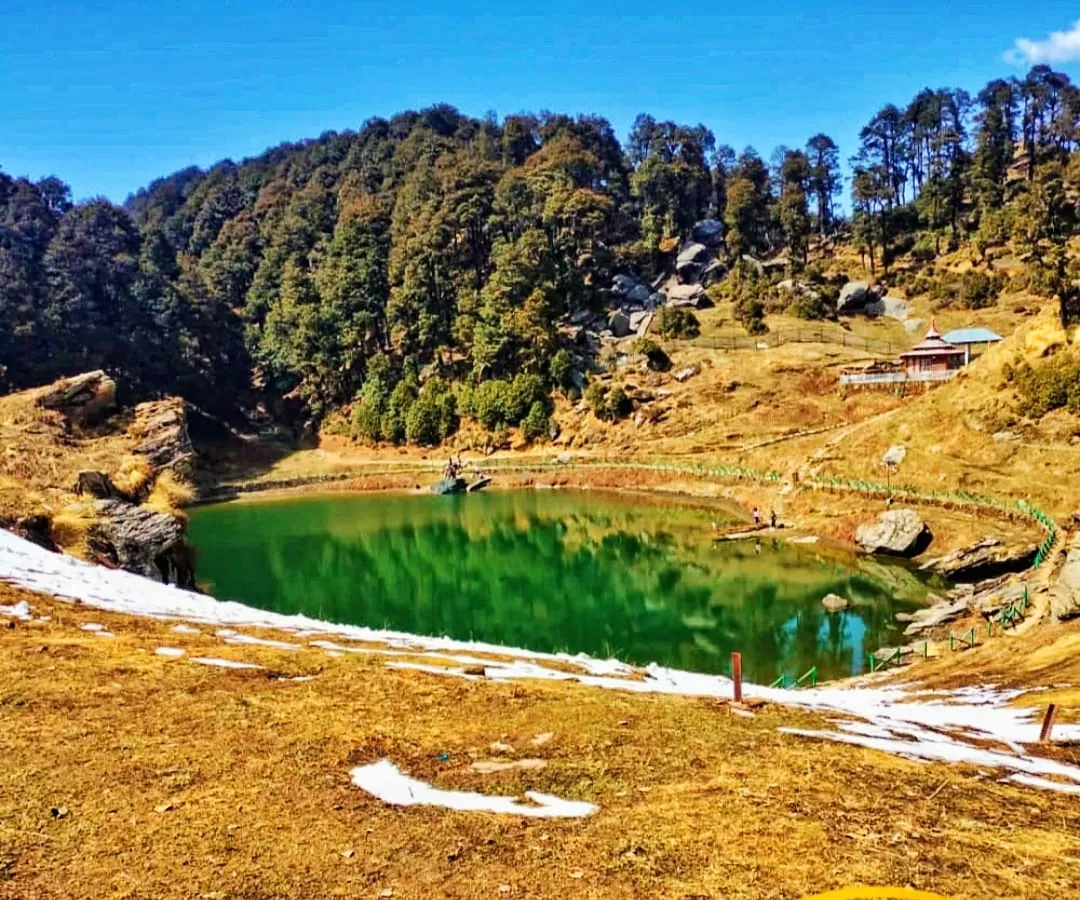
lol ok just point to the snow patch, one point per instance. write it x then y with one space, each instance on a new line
20 610
385 781
223 663
92 626
234 637
170 652
184 629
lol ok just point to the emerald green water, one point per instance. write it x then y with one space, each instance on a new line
603 574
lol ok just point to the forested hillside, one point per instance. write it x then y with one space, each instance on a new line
420 268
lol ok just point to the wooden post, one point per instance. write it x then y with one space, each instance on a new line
736 675
1048 723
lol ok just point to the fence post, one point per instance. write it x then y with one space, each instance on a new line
1048 723
736 675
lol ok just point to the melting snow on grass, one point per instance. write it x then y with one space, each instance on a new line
170 652
950 727
223 663
385 781
20 610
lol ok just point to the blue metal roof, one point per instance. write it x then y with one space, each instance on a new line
972 336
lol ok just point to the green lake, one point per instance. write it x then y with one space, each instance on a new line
610 575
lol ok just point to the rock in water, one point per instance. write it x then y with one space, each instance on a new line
834 602
899 532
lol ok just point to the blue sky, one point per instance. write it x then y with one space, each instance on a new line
111 94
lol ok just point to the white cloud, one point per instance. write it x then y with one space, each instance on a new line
1059 47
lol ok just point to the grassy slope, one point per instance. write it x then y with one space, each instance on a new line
694 801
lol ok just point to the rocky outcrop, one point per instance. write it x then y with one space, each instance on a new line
141 540
984 559
162 431
898 532
83 399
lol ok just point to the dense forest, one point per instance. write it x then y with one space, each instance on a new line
421 268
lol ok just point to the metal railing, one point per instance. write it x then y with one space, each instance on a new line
820 335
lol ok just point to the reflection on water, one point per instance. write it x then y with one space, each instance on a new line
603 574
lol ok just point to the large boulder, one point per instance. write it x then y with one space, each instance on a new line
692 295
713 273
619 323
709 232
141 540
854 296
898 532
82 399
691 262
623 284
638 295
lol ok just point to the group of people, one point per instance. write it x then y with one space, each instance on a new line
454 467
757 517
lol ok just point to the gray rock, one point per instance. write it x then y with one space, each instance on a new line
938 614
708 231
686 374
987 558
161 427
692 295
690 273
693 253
639 294
623 284
889 307
83 399
834 602
619 323
640 322
854 296
713 273
801 288
657 298
899 532
141 540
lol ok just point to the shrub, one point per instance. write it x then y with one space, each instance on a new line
366 419
618 404
656 358
561 370
422 422
595 396
678 323
490 400
1052 385
525 390
974 289
536 423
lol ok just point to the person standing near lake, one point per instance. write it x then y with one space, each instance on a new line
772 519
757 517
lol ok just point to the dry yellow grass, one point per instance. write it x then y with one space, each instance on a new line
170 494
70 526
186 781
133 475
